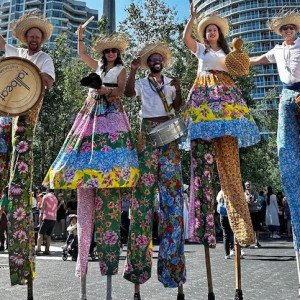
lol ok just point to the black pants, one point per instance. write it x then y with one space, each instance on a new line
227 234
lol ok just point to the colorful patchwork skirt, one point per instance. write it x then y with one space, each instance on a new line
98 151
216 108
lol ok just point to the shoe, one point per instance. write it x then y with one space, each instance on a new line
1 248
232 253
257 245
227 256
137 296
38 252
46 252
180 296
276 236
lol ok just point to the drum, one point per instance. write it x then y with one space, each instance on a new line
21 86
168 132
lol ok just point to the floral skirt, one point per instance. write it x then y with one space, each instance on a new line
98 151
216 108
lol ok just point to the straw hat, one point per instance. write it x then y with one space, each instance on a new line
30 20
285 18
152 47
115 40
215 19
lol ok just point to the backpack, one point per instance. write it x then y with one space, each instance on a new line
222 208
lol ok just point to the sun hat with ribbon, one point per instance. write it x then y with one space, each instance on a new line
118 41
214 19
152 47
30 20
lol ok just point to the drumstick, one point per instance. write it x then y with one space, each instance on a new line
86 23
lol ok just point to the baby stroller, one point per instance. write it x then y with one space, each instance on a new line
71 246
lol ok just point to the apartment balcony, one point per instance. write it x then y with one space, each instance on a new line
73 18
33 2
71 9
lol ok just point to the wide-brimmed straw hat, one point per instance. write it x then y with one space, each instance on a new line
215 19
118 41
285 18
152 47
30 20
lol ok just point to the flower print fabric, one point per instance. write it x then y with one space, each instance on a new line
98 151
288 145
216 108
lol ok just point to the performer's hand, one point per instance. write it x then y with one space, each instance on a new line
80 31
136 63
176 83
192 11
104 91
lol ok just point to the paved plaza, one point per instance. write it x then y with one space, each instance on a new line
268 273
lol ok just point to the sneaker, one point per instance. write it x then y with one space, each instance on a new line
232 253
46 252
257 245
227 256
276 236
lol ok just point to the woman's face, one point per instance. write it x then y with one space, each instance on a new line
111 54
212 33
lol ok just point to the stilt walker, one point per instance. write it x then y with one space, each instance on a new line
32 31
286 55
219 122
98 158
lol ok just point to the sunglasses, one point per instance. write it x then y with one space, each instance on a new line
112 50
286 27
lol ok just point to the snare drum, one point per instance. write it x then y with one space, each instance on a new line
168 132
21 86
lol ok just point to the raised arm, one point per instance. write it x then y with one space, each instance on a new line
187 33
129 89
259 60
92 63
2 43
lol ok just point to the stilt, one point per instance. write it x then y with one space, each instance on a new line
298 271
30 288
83 288
238 274
109 287
211 295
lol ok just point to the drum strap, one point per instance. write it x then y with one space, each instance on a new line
160 92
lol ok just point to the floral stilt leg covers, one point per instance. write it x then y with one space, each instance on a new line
228 162
20 224
201 209
162 165
288 144
5 149
102 206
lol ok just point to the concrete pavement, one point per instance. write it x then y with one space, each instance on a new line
268 273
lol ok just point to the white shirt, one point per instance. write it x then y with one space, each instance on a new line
41 59
211 60
287 58
111 76
152 104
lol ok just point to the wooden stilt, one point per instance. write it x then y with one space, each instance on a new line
298 271
238 274
83 288
109 287
211 295
30 288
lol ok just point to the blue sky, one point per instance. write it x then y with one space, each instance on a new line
182 7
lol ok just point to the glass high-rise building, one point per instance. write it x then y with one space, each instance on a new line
65 15
248 20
